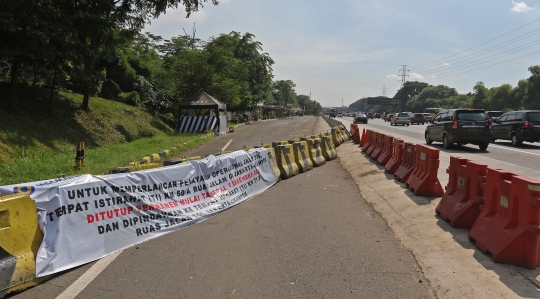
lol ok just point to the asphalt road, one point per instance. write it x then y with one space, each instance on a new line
311 236
523 159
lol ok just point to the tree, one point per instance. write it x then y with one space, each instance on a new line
500 97
532 99
408 91
480 95
284 93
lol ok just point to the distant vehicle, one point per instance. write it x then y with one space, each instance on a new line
494 115
460 126
333 113
388 117
418 118
377 115
300 112
340 114
360 118
427 117
518 126
433 111
401 118
370 115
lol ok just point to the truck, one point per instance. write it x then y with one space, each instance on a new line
333 113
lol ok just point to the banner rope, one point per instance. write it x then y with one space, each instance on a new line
17 284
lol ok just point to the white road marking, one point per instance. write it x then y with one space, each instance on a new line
226 145
74 289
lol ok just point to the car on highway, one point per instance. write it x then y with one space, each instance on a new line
418 118
388 117
377 115
427 117
360 118
340 114
369 115
461 126
494 115
518 126
401 118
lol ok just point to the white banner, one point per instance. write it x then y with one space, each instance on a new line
34 189
87 221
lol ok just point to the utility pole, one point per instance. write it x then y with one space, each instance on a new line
383 91
404 75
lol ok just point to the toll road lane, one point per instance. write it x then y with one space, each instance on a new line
523 160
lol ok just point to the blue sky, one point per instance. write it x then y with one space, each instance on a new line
349 49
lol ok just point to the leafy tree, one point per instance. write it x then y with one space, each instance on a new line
500 97
459 101
284 93
532 99
408 91
519 93
480 95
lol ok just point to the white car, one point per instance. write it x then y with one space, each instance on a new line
401 118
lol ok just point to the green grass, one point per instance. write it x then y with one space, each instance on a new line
38 140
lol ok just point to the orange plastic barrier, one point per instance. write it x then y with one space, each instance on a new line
407 163
397 156
373 143
509 224
378 146
363 140
387 150
464 194
355 133
424 180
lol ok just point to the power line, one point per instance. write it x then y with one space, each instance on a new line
487 59
480 44
484 66
479 53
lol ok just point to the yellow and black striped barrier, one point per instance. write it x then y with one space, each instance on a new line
79 158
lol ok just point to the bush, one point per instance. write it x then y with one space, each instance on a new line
130 98
169 119
110 90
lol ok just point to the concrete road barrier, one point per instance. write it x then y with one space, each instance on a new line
20 238
315 151
301 156
285 161
328 152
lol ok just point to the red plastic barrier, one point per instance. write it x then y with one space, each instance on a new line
387 150
464 194
397 156
368 136
424 179
407 163
355 133
509 224
363 140
373 142
378 146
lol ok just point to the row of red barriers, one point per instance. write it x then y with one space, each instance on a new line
501 209
414 165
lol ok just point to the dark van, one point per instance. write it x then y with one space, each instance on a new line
518 126
460 126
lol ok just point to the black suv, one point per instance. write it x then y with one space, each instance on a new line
418 118
460 126
518 126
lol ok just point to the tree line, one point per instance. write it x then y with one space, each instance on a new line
416 96
96 48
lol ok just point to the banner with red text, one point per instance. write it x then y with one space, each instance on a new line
87 221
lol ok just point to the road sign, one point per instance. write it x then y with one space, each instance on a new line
382 101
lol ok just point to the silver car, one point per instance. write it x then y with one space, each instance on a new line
401 118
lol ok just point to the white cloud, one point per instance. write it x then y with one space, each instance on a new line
446 64
520 7
416 76
392 76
